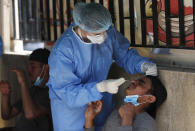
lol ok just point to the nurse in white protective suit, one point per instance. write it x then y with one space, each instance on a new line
79 64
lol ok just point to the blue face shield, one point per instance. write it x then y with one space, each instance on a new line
133 100
39 80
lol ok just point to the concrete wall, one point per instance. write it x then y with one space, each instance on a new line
177 113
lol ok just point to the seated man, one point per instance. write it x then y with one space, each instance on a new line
34 104
143 97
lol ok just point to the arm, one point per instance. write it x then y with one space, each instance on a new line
125 57
126 117
7 112
128 123
65 84
91 112
31 109
127 114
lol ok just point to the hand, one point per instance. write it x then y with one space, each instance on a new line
127 114
5 88
20 75
110 86
149 68
92 110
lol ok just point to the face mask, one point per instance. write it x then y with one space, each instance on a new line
39 80
132 99
98 39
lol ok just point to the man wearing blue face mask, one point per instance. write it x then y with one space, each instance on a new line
143 97
34 104
79 64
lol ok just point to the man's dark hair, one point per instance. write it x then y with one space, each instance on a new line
40 55
159 91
